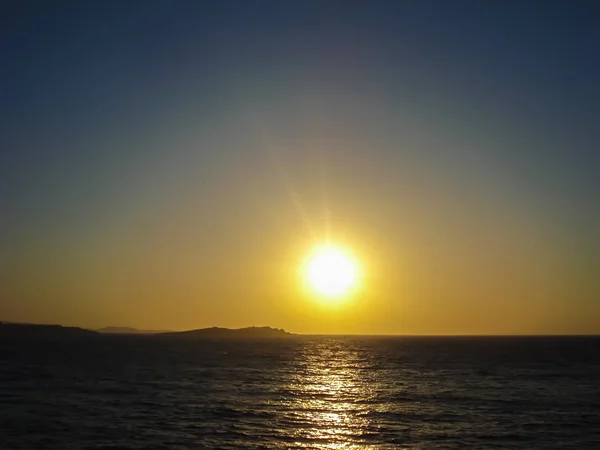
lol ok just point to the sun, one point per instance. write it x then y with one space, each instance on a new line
331 271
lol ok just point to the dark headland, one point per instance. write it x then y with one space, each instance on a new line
33 331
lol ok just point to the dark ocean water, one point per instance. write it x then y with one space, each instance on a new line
323 393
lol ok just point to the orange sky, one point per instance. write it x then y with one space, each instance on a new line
436 258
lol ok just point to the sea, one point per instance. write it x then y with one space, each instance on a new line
310 392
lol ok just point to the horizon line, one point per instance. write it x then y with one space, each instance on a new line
161 331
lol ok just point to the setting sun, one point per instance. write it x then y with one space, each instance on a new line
331 272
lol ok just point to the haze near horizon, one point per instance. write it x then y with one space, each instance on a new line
174 166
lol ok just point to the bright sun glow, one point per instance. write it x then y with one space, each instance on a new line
331 272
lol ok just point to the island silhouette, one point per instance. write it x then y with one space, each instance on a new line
228 333
32 331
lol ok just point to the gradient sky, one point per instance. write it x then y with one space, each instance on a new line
169 164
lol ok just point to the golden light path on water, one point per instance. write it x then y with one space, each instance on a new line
329 401
327 387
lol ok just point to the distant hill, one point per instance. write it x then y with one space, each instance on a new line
25 330
228 333
129 330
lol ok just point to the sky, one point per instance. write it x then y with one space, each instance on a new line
169 165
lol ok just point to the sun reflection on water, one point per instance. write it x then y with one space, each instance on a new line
329 403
